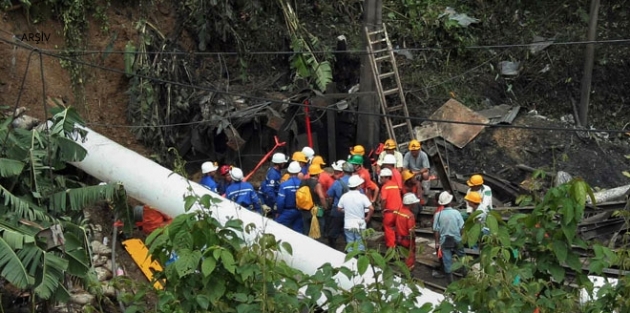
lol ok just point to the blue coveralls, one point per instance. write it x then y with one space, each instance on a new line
288 213
244 194
335 223
222 186
270 186
208 182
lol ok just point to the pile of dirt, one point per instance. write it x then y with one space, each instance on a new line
498 150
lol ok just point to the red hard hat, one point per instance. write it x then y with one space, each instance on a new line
224 169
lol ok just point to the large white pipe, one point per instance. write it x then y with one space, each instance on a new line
150 183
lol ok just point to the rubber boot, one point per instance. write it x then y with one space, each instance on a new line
449 277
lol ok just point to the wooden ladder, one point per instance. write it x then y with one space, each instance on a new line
389 88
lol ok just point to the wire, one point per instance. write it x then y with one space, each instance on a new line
364 113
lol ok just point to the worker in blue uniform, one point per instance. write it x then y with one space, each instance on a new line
242 192
288 213
271 185
208 170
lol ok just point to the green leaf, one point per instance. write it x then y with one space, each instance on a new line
10 167
227 260
52 272
626 173
287 247
560 249
189 201
557 272
69 150
13 269
208 265
203 301
492 223
362 264
472 235
187 262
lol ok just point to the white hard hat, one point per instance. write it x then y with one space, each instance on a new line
338 166
208 167
386 172
389 159
279 158
355 181
445 198
236 174
410 198
308 152
294 167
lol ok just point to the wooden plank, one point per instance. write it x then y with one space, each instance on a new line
140 255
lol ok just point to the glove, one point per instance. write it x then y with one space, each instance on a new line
266 208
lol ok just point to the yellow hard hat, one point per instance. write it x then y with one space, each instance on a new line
475 180
357 150
473 197
390 144
299 156
318 160
315 169
414 145
407 174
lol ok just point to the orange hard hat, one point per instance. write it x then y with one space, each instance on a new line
299 156
318 160
475 180
414 145
315 169
473 197
390 144
407 174
357 150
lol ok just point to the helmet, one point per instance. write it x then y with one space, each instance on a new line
208 167
356 160
357 150
410 198
338 165
279 158
386 173
475 180
236 174
473 197
407 174
308 152
414 145
348 167
315 169
390 144
389 159
355 181
299 156
224 170
318 160
445 198
294 168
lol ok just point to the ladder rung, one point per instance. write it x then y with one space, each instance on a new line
379 59
399 125
395 108
378 41
381 50
386 75
390 92
382 30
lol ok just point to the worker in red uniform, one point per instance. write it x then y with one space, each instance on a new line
391 201
389 161
405 224
369 186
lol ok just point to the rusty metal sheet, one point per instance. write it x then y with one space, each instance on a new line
457 134
501 114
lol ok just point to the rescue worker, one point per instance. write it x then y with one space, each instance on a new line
405 225
324 178
410 185
224 179
271 184
354 205
390 148
417 162
360 150
473 200
389 161
208 169
370 188
343 171
476 184
447 229
242 192
318 196
287 213
391 201
301 158
309 153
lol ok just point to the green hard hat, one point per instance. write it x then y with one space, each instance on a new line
356 160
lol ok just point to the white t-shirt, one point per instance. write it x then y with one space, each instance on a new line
486 198
397 154
354 204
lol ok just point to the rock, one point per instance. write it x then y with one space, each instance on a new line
97 232
108 289
108 265
82 298
421 240
103 274
99 260
100 249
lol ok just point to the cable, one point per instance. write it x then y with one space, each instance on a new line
412 118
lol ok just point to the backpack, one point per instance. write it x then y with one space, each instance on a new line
304 197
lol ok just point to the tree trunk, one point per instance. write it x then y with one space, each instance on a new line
589 57
368 125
